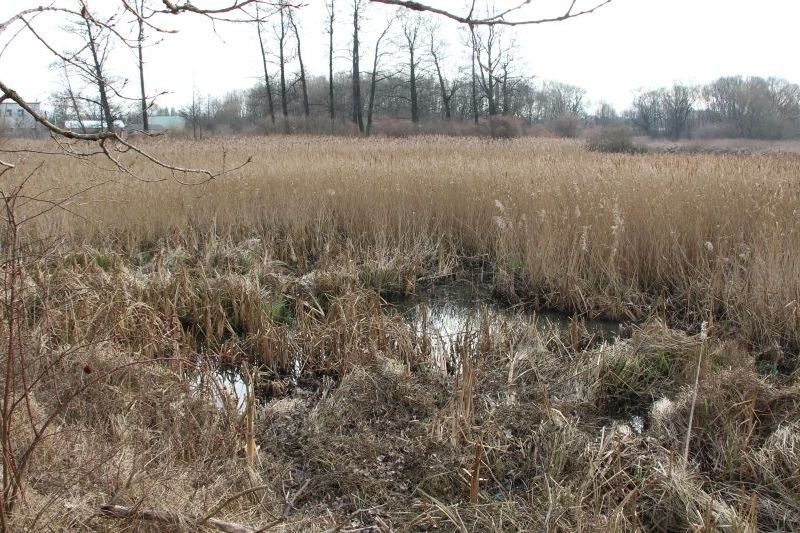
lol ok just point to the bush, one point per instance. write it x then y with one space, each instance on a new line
566 125
395 128
539 130
505 127
613 140
450 128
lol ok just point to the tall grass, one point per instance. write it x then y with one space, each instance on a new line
281 266
701 237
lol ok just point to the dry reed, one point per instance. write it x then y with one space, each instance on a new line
287 266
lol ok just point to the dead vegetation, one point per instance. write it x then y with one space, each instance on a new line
293 271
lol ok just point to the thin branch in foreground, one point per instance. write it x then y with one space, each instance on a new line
104 136
168 517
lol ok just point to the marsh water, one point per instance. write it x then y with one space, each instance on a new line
447 319
446 316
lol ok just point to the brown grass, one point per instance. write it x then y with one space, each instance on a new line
287 266
701 237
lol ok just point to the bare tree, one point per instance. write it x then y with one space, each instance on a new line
647 111
446 89
331 7
606 115
193 112
303 84
281 33
560 99
511 82
374 76
678 103
139 5
358 111
411 32
474 72
754 107
73 99
103 31
490 52
98 44
267 84
501 94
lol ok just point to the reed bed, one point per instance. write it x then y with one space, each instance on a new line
698 237
290 267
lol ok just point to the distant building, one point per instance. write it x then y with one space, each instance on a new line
14 120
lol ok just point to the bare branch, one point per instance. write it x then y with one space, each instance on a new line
170 518
494 20
104 136
221 14
19 16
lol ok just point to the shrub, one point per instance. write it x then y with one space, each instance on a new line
538 130
395 127
566 125
615 139
505 127
450 128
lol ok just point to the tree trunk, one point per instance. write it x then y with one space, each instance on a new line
413 83
358 113
145 121
506 96
442 85
331 107
474 80
281 53
371 104
303 85
374 79
491 82
270 104
105 107
74 100
194 113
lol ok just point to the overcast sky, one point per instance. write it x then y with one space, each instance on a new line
626 46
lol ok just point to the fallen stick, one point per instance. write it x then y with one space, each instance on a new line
168 517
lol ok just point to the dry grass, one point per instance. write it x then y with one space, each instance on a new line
700 237
287 266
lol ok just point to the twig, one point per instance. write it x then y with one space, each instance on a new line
694 402
225 502
495 20
290 503
168 517
475 478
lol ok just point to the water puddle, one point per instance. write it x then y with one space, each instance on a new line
223 385
450 316
447 321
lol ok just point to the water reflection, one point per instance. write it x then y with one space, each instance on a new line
448 317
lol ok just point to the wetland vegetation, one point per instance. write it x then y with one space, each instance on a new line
427 333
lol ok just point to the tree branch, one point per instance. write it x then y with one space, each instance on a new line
494 20
104 136
170 518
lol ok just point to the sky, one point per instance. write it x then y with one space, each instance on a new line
625 47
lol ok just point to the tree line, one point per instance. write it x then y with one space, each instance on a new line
733 106
408 78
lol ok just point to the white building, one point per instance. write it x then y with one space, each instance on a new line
16 121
